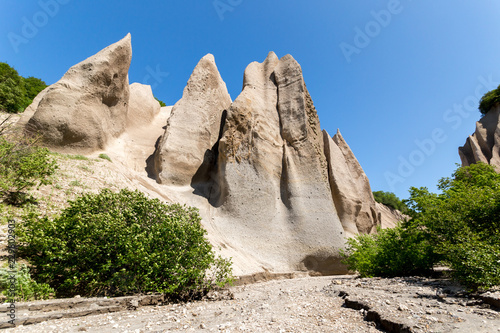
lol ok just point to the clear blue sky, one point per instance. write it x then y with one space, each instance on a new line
400 79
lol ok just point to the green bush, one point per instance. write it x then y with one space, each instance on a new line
489 100
16 92
459 227
399 251
389 199
26 288
122 243
464 223
23 166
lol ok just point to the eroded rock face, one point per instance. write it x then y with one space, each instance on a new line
274 197
143 107
193 128
484 144
88 105
350 187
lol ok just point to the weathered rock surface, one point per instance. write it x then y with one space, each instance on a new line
193 127
389 217
484 144
88 105
275 192
272 189
350 187
143 107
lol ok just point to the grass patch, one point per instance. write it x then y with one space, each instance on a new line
105 157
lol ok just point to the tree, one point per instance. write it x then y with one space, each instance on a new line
464 223
459 227
16 92
12 91
389 199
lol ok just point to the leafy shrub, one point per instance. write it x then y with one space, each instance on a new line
16 92
122 243
459 227
23 166
464 223
399 251
389 199
26 288
489 100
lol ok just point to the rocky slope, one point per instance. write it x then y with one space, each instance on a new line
275 192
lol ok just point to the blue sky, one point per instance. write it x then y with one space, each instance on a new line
400 79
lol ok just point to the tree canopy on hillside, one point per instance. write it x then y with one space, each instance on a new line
17 92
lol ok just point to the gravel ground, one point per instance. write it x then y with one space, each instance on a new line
419 304
298 305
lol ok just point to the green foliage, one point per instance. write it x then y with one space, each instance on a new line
26 288
23 166
16 92
105 157
389 199
464 223
161 103
122 243
489 100
12 91
399 251
33 87
459 227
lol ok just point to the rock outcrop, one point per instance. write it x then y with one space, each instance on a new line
142 106
275 192
193 128
272 190
276 184
88 105
350 187
484 144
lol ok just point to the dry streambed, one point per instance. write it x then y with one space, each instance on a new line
312 304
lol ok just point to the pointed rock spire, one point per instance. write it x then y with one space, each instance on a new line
192 131
89 104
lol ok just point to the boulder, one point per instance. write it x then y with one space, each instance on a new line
188 146
88 105
484 144
143 107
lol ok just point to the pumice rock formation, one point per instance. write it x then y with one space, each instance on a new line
193 127
142 106
275 192
350 187
88 105
270 176
484 144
